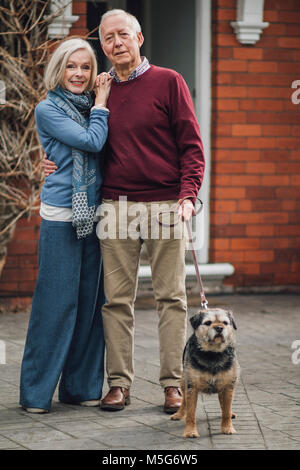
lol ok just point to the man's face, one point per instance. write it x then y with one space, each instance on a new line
120 43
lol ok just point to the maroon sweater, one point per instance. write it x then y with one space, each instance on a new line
154 148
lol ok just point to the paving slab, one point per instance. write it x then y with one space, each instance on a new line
267 400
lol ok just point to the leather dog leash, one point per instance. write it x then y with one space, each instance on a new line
204 301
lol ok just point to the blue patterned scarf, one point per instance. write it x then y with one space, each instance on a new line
84 165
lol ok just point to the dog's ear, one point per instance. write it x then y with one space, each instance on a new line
232 321
196 320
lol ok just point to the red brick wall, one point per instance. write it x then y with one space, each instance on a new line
255 179
79 9
20 272
255 156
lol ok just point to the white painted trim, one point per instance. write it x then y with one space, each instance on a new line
203 109
61 25
203 104
213 271
249 25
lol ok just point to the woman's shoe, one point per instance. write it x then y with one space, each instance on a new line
90 403
36 410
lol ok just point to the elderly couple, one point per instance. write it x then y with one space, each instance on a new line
143 119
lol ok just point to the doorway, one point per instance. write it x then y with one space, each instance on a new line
168 27
177 36
169 30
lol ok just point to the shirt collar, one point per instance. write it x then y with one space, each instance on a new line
144 65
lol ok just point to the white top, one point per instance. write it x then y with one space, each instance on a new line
58 214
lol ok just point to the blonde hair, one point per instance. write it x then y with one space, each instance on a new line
55 69
133 22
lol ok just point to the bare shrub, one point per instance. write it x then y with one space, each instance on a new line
24 50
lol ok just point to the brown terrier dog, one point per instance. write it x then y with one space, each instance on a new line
209 366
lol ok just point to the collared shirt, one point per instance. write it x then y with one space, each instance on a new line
144 65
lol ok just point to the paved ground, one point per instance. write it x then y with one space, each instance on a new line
267 401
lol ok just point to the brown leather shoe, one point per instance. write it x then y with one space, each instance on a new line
173 399
116 399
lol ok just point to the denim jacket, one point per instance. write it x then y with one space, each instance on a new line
58 134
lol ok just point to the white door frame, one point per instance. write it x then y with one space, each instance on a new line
203 110
203 104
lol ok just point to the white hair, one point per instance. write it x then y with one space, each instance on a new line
55 69
132 20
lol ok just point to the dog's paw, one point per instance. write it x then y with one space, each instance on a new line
228 429
192 433
177 416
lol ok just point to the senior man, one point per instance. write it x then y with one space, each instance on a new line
154 156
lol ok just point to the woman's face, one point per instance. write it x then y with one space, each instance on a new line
78 71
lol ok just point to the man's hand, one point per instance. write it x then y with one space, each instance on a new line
186 210
48 166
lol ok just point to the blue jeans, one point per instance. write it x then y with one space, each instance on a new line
65 334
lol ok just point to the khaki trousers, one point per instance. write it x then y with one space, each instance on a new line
121 255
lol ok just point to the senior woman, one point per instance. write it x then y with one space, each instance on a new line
65 337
